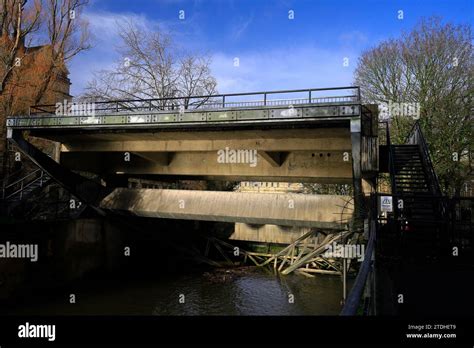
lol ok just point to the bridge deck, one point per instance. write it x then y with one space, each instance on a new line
321 135
341 103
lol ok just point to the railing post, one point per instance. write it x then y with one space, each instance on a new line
309 99
264 99
344 280
223 101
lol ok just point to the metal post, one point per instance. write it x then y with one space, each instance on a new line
223 101
264 99
374 279
344 280
309 100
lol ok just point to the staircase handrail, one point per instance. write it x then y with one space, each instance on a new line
21 181
416 137
23 178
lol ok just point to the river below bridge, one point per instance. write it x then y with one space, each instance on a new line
241 291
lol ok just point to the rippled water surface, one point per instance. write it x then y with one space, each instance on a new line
252 292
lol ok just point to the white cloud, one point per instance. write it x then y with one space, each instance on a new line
105 29
105 23
302 67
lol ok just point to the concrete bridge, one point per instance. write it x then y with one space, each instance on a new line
329 213
313 135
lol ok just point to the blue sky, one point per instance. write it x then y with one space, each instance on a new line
274 52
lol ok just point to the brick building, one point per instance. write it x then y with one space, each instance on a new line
29 85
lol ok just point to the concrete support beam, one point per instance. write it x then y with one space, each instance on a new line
275 159
304 155
318 211
158 158
301 166
327 139
268 233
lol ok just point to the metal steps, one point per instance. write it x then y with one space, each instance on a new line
25 186
420 220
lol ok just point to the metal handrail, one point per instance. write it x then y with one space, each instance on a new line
223 95
416 137
214 106
353 300
23 186
216 99
23 178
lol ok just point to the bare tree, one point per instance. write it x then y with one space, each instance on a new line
16 23
28 73
432 65
152 66
67 34
194 79
57 20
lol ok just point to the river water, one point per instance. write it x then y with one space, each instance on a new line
249 291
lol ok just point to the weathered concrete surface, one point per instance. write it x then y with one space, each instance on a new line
85 245
275 234
319 211
299 166
324 139
267 233
298 155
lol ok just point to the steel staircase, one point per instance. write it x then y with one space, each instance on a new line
20 197
23 187
410 177
419 208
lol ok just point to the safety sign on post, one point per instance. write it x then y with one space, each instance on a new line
386 204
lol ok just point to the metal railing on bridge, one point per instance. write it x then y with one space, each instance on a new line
220 101
364 282
254 106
